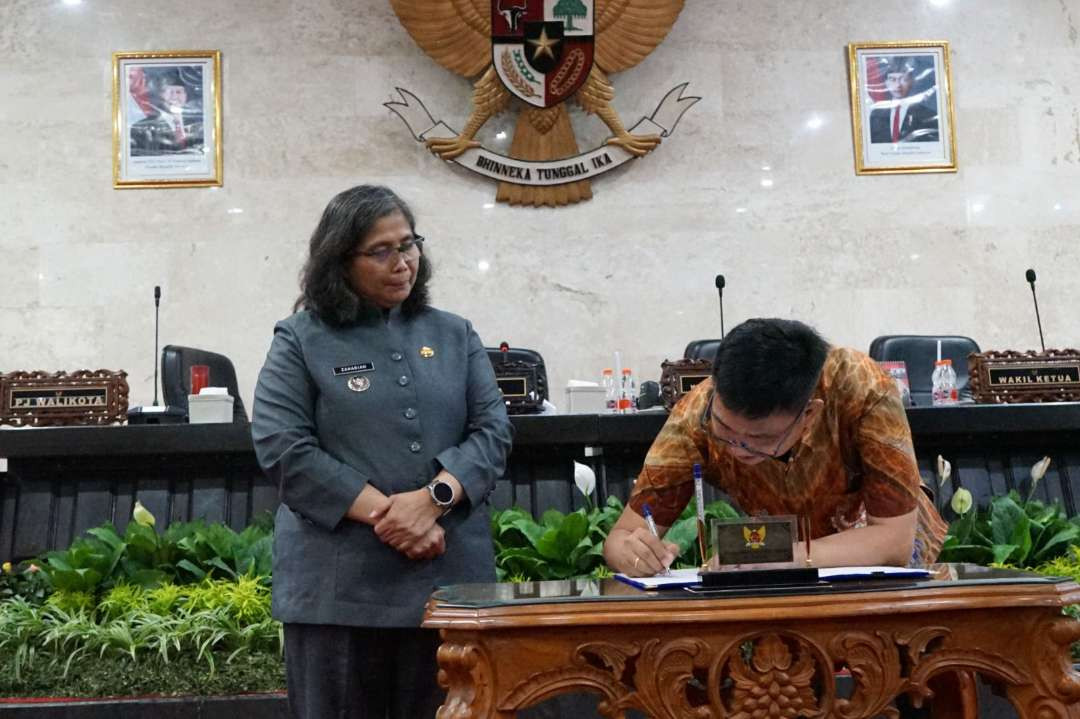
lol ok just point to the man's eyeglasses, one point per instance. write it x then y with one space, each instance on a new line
708 419
410 248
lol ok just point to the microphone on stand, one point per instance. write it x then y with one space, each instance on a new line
720 289
157 307
156 414
1030 275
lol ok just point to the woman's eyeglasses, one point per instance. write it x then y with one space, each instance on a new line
708 419
409 248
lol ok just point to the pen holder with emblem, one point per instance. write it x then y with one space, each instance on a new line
766 543
1009 376
678 377
519 383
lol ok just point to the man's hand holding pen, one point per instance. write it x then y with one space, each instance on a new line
638 551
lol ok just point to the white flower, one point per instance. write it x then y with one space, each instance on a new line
944 471
584 478
1038 471
961 501
142 515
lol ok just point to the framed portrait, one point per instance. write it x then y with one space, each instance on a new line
167 119
902 107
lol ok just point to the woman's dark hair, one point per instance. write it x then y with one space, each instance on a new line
346 221
768 365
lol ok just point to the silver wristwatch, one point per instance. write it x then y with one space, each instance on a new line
442 494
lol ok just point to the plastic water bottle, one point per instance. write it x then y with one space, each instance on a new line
611 397
627 393
944 390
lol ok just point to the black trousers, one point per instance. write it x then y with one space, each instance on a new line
337 672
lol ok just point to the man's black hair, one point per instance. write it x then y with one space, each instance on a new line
771 365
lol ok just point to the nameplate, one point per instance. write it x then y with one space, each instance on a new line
754 540
1009 376
519 384
678 377
40 399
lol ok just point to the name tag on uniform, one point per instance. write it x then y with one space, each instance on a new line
354 368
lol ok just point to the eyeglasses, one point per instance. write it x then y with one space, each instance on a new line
409 248
707 418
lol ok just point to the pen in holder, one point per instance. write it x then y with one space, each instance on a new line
804 524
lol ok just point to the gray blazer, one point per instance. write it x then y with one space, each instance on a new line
428 401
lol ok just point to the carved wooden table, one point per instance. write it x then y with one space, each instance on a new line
750 653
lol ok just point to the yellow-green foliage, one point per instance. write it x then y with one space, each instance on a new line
165 598
122 599
247 599
1066 566
71 601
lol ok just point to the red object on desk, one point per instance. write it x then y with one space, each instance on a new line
200 377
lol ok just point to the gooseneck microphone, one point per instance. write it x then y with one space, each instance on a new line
157 307
720 289
1030 275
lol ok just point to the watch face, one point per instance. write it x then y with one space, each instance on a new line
443 492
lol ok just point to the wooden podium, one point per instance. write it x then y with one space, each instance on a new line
751 653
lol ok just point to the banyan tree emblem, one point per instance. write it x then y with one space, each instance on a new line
539 54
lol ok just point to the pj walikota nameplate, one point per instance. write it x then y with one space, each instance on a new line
537 54
38 399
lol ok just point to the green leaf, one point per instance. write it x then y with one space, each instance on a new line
552 518
1057 544
1005 515
1002 552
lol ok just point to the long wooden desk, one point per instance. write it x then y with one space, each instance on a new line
61 481
675 654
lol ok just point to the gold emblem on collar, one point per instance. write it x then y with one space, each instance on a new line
426 352
359 384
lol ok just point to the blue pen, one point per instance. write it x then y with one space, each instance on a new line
652 528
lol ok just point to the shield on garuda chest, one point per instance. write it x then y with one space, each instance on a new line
542 49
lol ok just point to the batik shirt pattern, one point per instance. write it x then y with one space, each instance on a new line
855 459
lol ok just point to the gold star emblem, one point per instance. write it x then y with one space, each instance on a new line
543 45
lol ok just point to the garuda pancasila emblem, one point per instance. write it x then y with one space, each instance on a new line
543 53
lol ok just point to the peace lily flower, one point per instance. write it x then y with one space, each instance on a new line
944 470
142 515
1038 470
961 501
6 567
584 478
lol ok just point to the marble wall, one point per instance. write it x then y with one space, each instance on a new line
633 269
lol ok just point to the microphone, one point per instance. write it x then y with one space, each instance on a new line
720 289
157 307
156 414
1030 275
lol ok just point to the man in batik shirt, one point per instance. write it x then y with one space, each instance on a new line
789 425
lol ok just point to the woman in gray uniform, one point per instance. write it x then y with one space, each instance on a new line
380 420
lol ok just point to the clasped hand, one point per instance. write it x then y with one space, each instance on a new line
407 523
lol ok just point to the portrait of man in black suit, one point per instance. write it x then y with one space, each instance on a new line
174 114
904 116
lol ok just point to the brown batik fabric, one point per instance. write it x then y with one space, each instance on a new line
855 459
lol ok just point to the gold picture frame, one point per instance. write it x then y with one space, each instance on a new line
902 115
167 119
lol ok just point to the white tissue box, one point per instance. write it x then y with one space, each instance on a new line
208 408
586 400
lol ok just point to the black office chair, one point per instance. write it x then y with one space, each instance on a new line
176 364
918 353
701 349
519 354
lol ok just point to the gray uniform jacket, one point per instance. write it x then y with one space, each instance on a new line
428 401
